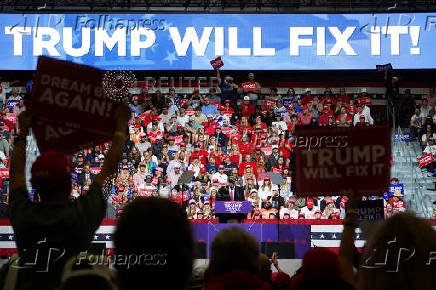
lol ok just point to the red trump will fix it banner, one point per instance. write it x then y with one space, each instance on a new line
341 161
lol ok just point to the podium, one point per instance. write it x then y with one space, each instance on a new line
232 210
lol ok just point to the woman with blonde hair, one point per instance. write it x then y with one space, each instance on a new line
248 175
191 210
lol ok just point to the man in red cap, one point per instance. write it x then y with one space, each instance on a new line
55 222
305 116
309 210
195 100
323 120
208 109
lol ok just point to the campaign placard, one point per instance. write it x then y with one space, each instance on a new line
341 161
403 137
70 107
396 188
371 210
249 86
217 62
233 206
425 160
4 173
95 170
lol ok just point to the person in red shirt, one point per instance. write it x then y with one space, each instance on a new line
210 125
245 147
362 122
327 97
286 147
352 108
257 136
247 163
244 126
155 133
307 98
259 122
7 122
343 96
200 154
398 202
247 108
227 109
291 126
323 120
305 117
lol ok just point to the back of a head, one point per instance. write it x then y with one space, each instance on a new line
234 249
51 176
154 245
264 267
399 255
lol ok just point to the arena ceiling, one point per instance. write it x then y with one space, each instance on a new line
216 6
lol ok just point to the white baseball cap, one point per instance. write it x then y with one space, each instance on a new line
246 98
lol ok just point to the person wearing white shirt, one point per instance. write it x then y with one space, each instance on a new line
360 112
266 189
195 166
279 124
431 147
309 210
293 213
220 176
159 125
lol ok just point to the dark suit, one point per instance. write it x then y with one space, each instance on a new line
272 161
81 178
224 195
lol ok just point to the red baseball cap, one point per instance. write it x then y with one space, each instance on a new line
196 90
120 188
140 164
305 107
221 167
226 156
203 170
326 107
183 144
309 203
267 178
179 126
215 181
156 118
362 117
171 138
227 101
51 169
137 126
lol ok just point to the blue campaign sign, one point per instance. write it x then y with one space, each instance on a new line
403 137
394 188
244 41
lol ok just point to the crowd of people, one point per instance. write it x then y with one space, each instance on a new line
230 142
146 253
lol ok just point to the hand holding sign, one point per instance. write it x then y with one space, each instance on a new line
25 122
217 63
70 108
